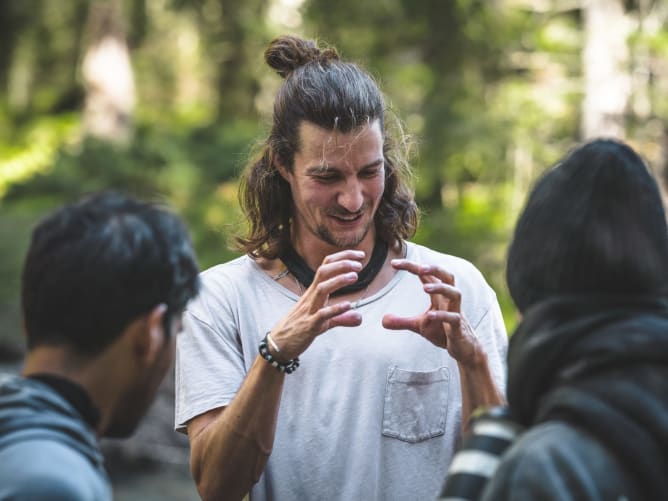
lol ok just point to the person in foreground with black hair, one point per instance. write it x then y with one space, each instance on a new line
104 285
588 364
328 292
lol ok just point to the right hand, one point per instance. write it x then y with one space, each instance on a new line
312 315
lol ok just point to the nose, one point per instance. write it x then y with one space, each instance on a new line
351 197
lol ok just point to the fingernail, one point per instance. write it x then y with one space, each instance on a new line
351 276
429 287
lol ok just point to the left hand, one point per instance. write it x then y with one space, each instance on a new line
443 323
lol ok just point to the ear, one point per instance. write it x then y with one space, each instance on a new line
152 337
282 169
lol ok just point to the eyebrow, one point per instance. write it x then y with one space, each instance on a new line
321 169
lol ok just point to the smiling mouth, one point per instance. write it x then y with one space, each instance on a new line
347 219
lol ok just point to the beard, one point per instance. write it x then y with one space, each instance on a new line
347 242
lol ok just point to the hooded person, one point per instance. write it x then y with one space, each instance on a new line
588 364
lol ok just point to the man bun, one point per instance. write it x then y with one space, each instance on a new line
287 53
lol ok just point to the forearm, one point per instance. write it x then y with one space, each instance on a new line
478 387
230 453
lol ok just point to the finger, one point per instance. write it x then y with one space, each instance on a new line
334 310
426 272
356 255
412 267
349 318
329 270
454 320
440 273
395 322
462 343
323 290
406 264
452 294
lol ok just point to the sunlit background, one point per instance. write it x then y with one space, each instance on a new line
167 98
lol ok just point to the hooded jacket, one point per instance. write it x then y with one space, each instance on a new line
47 451
589 377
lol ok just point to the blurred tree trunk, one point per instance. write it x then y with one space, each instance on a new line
237 87
606 69
650 81
108 76
443 53
11 24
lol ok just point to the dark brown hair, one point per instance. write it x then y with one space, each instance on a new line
335 95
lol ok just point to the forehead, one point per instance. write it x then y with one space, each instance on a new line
317 143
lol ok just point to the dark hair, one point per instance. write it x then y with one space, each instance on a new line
594 223
334 95
96 265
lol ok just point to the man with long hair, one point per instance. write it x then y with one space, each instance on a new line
329 289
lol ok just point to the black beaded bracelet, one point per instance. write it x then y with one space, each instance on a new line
287 367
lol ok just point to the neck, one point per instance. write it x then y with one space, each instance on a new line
305 275
92 375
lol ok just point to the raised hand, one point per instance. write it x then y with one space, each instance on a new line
313 315
443 322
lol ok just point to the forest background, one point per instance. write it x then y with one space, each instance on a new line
166 99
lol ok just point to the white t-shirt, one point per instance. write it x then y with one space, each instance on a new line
371 413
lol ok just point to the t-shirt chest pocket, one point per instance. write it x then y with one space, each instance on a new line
416 404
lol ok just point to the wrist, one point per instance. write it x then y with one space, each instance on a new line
475 362
273 357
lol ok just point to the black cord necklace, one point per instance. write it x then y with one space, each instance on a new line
305 275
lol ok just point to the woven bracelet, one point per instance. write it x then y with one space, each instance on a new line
287 367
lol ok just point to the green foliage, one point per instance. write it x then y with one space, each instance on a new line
194 169
491 91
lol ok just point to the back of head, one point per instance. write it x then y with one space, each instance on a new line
337 96
96 265
593 224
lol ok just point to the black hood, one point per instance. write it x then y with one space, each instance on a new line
601 364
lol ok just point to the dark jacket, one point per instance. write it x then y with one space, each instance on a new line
588 377
47 451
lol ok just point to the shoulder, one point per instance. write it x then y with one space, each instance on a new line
42 469
556 461
237 269
218 281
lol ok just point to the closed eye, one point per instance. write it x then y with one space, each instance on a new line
370 173
326 178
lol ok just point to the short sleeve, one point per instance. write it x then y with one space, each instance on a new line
209 364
